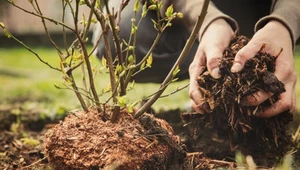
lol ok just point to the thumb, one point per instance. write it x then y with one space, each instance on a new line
247 52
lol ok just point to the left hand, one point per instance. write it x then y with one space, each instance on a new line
275 35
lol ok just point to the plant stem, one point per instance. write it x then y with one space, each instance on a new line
181 57
80 98
86 59
117 42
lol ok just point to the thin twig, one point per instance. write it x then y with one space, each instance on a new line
46 29
46 18
30 50
86 59
117 42
36 162
182 56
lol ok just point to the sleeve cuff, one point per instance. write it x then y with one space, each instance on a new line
263 21
212 17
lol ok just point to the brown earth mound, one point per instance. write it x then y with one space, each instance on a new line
85 140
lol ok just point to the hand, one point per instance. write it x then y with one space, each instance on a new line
209 53
275 35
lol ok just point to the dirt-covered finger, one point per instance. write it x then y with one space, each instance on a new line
256 99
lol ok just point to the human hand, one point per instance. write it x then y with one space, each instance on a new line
209 54
276 36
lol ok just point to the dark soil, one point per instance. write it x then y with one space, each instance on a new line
237 125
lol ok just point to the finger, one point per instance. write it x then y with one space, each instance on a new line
256 98
196 67
287 101
214 57
244 54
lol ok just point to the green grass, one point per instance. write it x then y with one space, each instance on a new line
23 75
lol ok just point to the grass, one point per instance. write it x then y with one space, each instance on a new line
23 75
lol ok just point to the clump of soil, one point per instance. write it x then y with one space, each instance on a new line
225 112
87 141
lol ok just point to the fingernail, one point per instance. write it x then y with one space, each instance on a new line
236 67
215 73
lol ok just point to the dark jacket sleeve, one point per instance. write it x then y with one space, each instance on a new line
288 13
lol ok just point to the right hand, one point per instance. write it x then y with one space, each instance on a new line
215 39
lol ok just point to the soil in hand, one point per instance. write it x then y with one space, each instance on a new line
235 123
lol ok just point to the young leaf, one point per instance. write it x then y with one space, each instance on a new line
122 100
94 20
7 34
104 62
169 11
152 7
145 11
133 29
176 71
143 66
81 2
136 5
130 59
97 5
149 61
179 15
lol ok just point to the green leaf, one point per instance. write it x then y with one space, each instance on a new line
130 59
97 5
7 34
104 62
122 101
136 5
173 80
81 2
131 106
130 48
143 66
179 15
30 141
145 11
169 11
160 5
94 20
119 69
149 61
133 29
176 71
152 7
